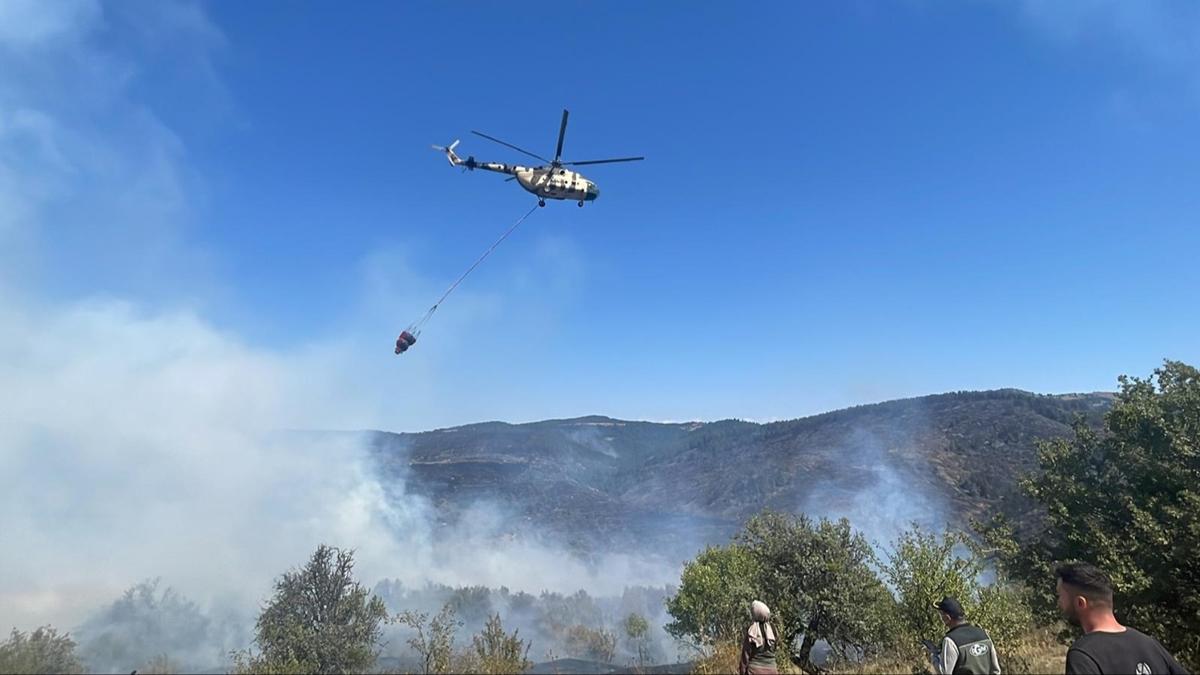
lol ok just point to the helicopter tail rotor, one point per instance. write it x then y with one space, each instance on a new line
449 150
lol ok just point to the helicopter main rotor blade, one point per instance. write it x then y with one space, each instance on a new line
562 130
510 145
604 161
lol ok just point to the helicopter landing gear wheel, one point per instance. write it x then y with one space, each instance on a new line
541 202
581 203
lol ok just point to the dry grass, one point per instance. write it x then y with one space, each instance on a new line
1035 653
724 659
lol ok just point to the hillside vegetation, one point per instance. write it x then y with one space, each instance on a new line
1122 492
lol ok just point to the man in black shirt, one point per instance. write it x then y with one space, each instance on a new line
1085 596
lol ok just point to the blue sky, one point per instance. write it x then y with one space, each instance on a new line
842 202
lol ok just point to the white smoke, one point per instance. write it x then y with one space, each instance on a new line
141 445
139 438
883 495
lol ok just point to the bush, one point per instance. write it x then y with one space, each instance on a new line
1127 500
320 620
42 651
593 644
723 658
818 579
434 639
495 652
923 567
712 605
637 638
146 622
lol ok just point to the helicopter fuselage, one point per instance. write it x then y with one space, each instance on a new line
560 183
544 181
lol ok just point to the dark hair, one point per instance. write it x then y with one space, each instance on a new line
1090 581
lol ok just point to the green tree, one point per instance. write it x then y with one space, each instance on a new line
595 644
434 639
496 652
637 636
42 651
472 604
320 620
1002 608
819 582
923 567
1127 500
712 605
558 613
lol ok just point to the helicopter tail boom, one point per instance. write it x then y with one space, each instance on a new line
470 164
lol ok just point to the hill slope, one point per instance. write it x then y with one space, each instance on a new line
596 481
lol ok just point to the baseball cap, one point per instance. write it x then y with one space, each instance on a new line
950 606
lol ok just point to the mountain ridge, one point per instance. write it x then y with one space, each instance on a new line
599 482
596 418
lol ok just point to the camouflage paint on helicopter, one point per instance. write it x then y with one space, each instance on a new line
549 181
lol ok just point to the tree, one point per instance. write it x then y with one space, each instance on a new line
473 604
923 567
320 620
818 580
1127 500
148 621
594 644
712 605
1002 608
637 636
434 640
558 613
42 651
496 652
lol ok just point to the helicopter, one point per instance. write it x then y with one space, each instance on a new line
548 181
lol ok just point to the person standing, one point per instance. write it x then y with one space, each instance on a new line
758 644
966 649
1085 597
